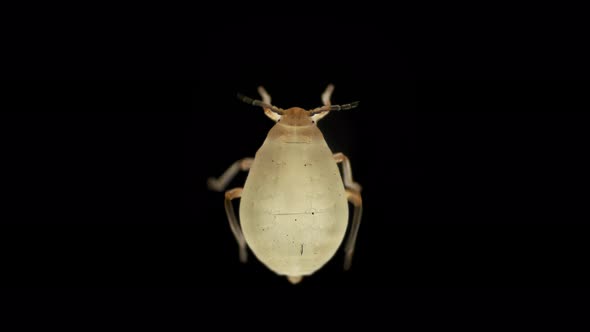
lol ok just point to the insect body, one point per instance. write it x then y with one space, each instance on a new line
293 210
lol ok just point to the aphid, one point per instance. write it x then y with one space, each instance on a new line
293 210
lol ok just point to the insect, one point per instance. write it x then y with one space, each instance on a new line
293 209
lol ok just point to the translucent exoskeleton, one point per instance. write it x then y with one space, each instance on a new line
293 209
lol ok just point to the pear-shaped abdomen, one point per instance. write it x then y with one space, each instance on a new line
293 209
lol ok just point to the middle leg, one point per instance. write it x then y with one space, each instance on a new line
347 170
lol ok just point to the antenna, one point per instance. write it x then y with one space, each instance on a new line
256 102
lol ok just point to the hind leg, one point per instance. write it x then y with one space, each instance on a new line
234 223
356 200
353 194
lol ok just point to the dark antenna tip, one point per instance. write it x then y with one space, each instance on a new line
345 106
355 104
256 102
244 98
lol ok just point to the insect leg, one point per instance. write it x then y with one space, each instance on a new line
356 200
275 114
265 96
233 221
221 182
327 95
347 170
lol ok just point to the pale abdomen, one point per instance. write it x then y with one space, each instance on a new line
293 209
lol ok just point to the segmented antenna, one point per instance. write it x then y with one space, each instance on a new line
329 108
344 107
256 102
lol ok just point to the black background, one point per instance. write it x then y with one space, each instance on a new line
475 184
467 183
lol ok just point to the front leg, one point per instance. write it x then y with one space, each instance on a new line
221 183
